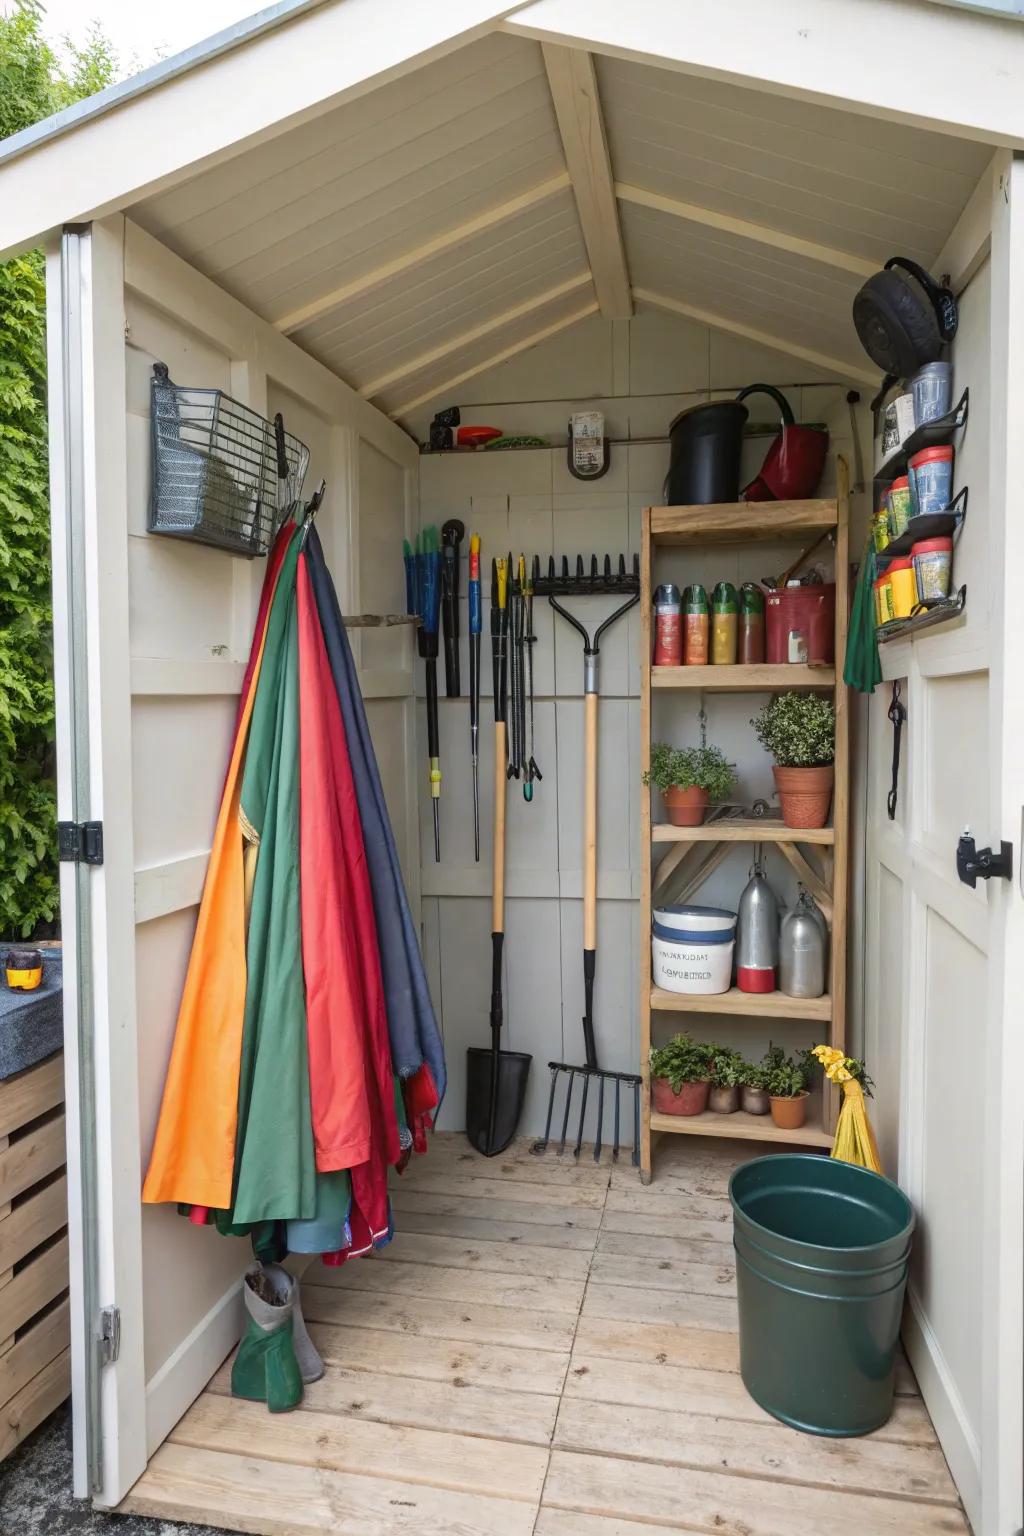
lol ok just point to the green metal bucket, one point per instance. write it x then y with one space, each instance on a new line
822 1249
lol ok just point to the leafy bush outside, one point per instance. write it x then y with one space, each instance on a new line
34 82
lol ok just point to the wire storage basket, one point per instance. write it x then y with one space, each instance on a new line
222 473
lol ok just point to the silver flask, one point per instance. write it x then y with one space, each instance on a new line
802 950
757 931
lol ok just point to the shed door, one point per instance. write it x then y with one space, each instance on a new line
944 963
152 636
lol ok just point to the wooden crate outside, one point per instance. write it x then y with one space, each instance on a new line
35 1361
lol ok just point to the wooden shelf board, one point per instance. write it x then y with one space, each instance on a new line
742 522
754 830
741 1127
743 679
768 1005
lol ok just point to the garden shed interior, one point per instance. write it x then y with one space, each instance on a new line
356 215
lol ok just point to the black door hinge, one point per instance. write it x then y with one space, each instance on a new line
80 842
974 864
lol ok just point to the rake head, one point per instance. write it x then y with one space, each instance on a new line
601 578
598 1076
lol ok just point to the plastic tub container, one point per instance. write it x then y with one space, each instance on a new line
883 599
696 957
693 919
809 612
932 388
931 479
903 586
822 1249
933 560
900 501
700 966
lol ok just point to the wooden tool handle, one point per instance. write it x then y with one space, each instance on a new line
498 888
590 823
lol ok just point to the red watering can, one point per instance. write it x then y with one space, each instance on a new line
794 462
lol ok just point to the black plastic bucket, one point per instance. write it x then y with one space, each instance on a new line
822 1249
706 443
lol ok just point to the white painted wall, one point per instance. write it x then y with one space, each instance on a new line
641 373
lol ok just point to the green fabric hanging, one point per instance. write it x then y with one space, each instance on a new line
275 1169
863 670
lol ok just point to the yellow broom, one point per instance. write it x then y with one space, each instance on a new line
854 1139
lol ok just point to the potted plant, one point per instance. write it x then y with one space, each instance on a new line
786 1081
799 730
689 779
726 1076
753 1092
681 1077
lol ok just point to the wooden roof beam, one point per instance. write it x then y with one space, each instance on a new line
965 80
717 322
758 234
573 83
463 339
522 345
448 240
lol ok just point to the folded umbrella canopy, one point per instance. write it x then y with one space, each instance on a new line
307 1056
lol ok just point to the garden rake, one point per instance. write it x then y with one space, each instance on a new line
596 583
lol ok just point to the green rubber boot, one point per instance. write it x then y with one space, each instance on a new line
266 1369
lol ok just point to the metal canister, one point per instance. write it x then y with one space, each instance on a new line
757 934
668 626
802 950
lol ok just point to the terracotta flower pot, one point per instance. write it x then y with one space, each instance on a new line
806 794
724 1101
686 807
790 1114
754 1101
692 1098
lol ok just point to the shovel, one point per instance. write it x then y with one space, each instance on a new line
496 1079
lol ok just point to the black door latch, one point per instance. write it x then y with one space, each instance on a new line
973 863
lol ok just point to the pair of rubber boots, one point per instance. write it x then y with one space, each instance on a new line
276 1356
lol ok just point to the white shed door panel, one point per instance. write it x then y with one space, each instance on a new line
936 961
160 633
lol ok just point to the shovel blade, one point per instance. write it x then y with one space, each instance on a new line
513 1075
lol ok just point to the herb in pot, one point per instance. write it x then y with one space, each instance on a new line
799 730
689 779
681 1076
786 1082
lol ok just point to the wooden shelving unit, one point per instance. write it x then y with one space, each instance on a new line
824 871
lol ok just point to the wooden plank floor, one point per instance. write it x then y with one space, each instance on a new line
544 1350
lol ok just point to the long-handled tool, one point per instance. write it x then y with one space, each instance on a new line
596 584
474 682
496 1079
452 534
532 773
423 597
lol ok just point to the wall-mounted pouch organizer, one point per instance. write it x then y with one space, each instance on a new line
222 473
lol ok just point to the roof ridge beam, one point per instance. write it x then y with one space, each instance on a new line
523 345
466 338
718 322
574 92
759 234
306 314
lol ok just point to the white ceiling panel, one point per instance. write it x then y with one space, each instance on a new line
428 229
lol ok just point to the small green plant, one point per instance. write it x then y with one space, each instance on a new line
690 768
753 1075
682 1060
727 1067
798 729
785 1077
